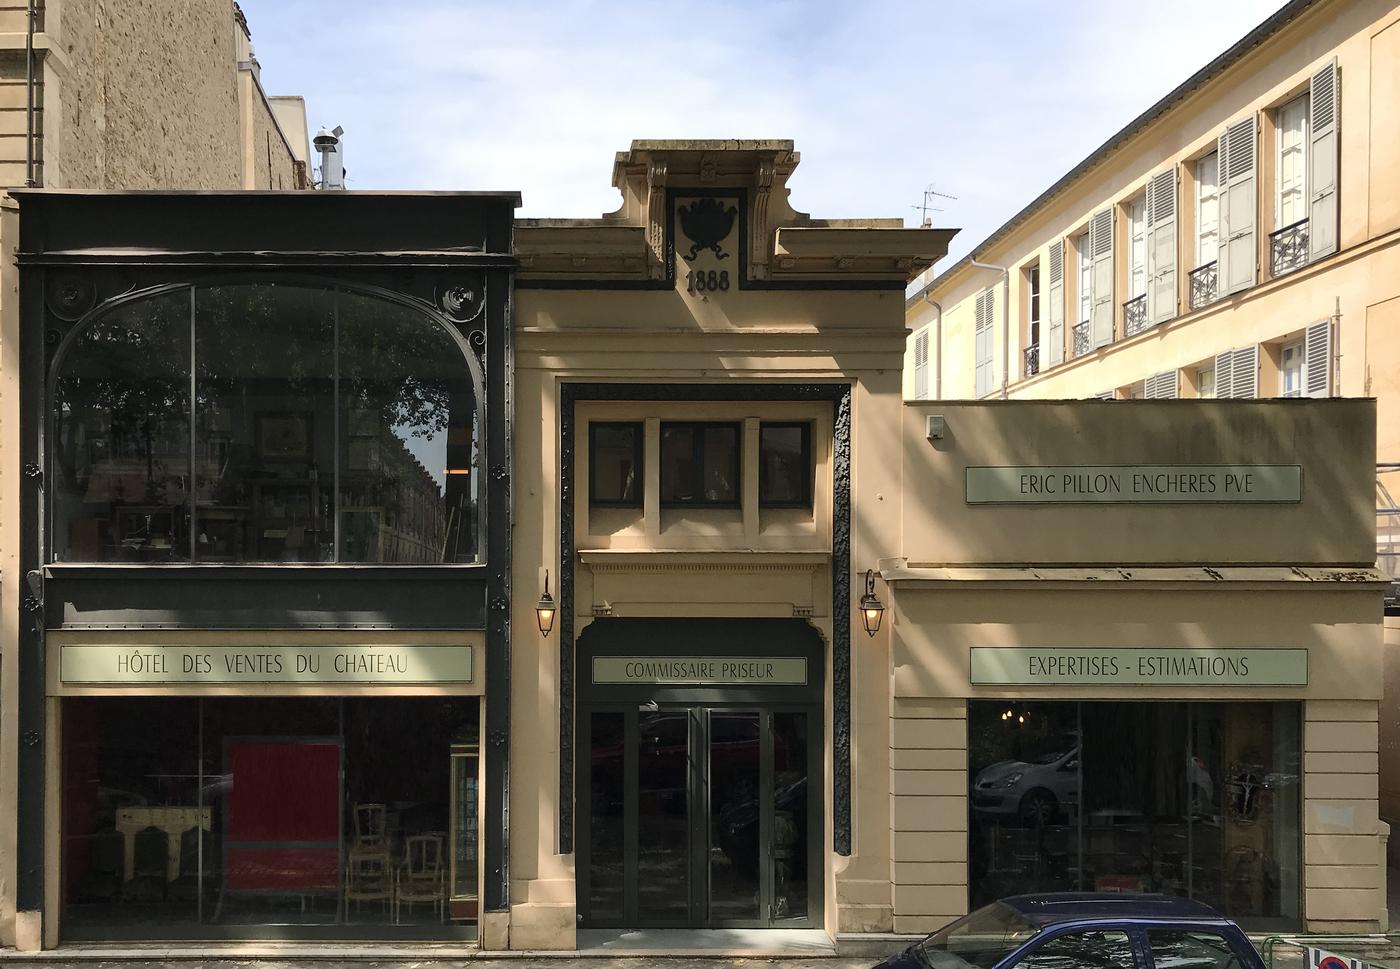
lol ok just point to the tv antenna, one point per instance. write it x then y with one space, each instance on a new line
930 193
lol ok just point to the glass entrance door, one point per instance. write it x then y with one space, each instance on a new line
697 816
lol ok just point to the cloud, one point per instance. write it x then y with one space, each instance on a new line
990 101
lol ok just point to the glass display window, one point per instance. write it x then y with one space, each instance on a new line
1194 799
257 817
266 422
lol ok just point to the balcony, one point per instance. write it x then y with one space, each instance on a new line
1288 248
1135 315
1204 288
1082 344
1032 355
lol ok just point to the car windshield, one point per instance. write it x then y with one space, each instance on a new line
981 939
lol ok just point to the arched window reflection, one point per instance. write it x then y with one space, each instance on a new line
328 426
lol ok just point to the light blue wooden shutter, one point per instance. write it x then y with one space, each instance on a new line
1161 223
1323 141
1317 360
1239 206
1101 277
1054 351
983 339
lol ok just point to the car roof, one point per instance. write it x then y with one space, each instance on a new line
1051 908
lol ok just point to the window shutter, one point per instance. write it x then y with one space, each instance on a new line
1104 395
921 365
1101 277
1224 373
1161 386
1161 246
1323 161
1317 360
983 337
1239 204
1244 373
1055 305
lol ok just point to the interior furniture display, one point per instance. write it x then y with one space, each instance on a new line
194 852
423 876
149 866
369 878
173 819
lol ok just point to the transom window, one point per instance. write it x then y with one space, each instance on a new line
700 464
785 465
263 422
615 464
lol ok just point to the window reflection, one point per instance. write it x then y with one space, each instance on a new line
1198 800
327 426
120 455
407 493
264 425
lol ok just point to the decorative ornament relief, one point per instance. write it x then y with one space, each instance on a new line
462 298
707 222
69 296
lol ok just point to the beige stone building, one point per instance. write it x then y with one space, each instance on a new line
1239 239
703 625
141 95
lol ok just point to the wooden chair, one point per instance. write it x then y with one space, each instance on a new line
423 877
368 879
150 861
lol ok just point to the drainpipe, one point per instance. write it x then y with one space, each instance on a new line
1005 320
937 346
1336 362
29 98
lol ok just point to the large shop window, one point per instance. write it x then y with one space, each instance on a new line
265 423
1192 799
227 816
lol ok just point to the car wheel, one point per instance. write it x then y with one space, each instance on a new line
1038 807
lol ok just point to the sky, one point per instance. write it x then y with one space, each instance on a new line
987 102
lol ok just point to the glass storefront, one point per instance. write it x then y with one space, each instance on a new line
221 816
260 422
1193 799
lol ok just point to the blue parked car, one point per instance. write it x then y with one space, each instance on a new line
1085 931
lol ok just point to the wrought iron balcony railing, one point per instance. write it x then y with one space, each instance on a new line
1204 288
1288 248
1081 338
1032 355
1135 315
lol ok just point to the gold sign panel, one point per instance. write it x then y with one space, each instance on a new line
388 665
1137 666
1135 483
701 670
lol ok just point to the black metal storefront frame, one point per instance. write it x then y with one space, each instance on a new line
685 637
448 254
839 395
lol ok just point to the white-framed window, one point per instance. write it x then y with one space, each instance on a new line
1291 163
1033 305
1207 208
1137 247
1086 277
1290 376
1205 382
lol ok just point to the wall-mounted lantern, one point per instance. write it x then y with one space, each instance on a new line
872 610
544 609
